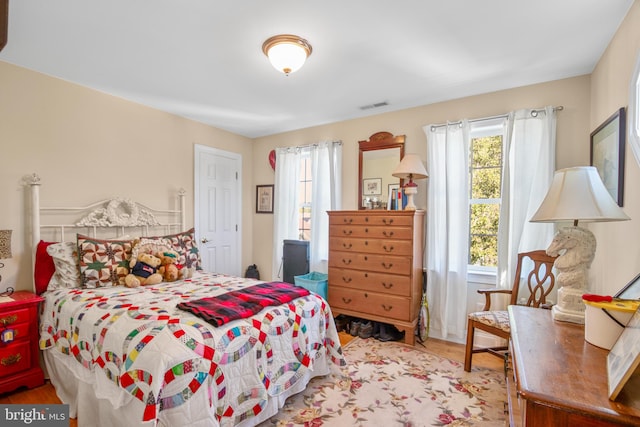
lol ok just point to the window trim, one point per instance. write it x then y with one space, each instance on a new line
634 110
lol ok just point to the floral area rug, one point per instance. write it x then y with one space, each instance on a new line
393 384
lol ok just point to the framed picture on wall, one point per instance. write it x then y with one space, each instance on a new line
372 186
607 153
264 198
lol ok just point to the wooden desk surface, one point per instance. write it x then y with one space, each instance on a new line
556 367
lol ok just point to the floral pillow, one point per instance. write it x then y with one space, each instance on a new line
67 271
103 263
185 244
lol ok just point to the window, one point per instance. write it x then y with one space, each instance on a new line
485 179
304 196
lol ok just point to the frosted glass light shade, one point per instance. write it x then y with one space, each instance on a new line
286 52
578 194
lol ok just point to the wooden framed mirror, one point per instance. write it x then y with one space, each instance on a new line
378 157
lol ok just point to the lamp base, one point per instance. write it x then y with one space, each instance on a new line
570 307
410 191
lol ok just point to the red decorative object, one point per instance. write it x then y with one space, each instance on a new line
272 159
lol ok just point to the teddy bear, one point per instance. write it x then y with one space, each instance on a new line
144 271
168 266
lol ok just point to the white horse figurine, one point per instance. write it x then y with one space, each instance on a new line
576 247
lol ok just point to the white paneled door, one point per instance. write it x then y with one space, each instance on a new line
217 203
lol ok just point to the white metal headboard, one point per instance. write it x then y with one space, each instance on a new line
117 215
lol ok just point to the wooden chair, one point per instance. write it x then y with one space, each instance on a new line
540 281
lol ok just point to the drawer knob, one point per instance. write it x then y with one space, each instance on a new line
387 307
347 232
346 261
346 245
346 279
387 221
366 274
387 285
7 320
348 220
11 360
387 233
346 300
387 266
387 249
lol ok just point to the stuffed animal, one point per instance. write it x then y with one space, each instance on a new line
144 271
168 267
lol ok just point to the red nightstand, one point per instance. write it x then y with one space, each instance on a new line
19 357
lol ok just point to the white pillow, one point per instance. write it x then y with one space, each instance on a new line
65 258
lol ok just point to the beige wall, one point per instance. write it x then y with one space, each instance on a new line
618 253
88 146
572 135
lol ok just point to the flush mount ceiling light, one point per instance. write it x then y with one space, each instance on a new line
286 52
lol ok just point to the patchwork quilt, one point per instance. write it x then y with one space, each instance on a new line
139 351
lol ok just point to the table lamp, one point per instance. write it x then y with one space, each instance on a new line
576 194
5 247
411 168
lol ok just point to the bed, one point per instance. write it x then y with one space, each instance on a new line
137 356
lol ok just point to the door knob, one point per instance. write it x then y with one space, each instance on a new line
204 240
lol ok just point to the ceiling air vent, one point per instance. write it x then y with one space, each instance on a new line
376 105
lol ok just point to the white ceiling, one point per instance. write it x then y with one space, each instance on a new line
202 59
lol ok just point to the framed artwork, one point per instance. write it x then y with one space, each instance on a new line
624 357
372 187
264 198
607 153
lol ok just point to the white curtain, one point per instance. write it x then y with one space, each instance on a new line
529 164
326 178
285 203
326 195
447 228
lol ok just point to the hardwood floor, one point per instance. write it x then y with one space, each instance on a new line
46 393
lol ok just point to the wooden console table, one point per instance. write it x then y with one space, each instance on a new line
558 378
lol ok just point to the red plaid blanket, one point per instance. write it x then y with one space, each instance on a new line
242 303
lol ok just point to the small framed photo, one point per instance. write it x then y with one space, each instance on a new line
264 198
372 187
624 357
607 153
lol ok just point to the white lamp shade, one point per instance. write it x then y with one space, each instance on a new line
578 194
286 52
411 168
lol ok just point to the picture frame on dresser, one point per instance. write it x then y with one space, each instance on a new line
624 357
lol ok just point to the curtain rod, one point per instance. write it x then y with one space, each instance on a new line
534 113
300 147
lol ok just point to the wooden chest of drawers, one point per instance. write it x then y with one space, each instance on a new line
375 266
19 355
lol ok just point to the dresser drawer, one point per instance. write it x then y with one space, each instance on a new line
376 246
372 232
12 317
371 262
389 306
14 358
20 331
370 219
376 282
